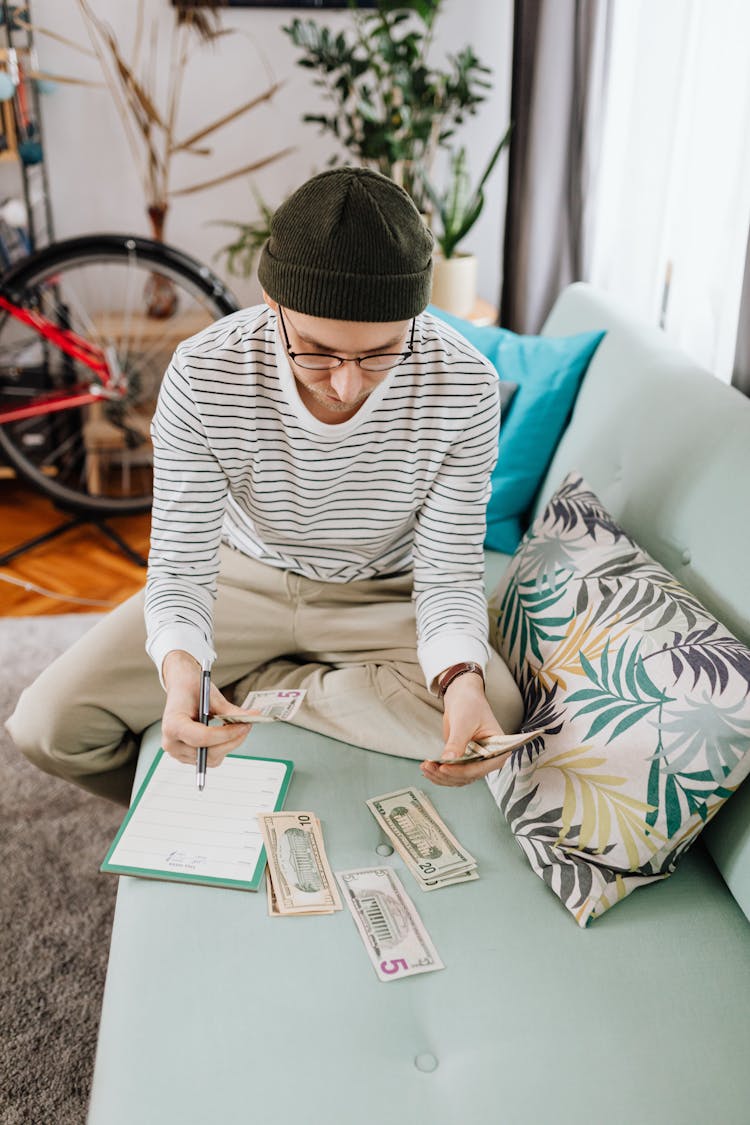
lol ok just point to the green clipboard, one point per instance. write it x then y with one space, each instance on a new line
137 812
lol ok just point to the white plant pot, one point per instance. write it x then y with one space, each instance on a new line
454 283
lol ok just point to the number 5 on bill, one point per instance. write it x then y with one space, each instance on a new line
394 936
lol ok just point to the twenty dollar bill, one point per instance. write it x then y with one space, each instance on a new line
424 842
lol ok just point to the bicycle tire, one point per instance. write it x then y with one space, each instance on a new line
85 250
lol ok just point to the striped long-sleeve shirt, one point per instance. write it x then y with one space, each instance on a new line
401 486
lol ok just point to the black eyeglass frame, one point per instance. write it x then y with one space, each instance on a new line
399 357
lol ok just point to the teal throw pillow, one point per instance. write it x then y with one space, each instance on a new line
548 371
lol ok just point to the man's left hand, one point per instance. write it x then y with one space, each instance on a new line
467 716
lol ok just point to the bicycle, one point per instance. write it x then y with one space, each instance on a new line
87 328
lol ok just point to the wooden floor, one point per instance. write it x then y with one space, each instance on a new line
81 563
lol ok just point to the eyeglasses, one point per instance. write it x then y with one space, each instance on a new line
315 361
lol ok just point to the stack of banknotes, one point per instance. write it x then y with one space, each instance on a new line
299 879
495 745
423 840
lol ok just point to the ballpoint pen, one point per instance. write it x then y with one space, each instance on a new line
203 717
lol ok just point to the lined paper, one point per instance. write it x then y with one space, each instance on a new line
175 830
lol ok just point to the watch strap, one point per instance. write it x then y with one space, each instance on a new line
456 670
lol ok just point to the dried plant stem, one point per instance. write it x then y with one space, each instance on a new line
195 137
177 74
156 196
231 175
138 36
177 63
93 25
26 25
64 79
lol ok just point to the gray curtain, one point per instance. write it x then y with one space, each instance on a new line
560 50
741 376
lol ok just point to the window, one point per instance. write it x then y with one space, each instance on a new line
669 213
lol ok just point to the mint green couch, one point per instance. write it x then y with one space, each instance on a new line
215 1013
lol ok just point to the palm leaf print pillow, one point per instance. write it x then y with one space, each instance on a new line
644 697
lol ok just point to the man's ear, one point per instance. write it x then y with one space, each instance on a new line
270 302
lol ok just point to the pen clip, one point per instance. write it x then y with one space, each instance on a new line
205 695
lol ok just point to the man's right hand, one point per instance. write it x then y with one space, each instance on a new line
182 734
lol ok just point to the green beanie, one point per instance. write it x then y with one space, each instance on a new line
349 244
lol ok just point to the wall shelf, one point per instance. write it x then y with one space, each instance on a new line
20 119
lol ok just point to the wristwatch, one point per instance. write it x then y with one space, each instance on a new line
456 670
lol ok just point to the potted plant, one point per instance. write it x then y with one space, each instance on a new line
454 283
391 110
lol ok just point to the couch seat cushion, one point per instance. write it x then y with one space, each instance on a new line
214 1012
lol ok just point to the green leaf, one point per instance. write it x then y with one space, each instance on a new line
672 801
604 699
630 672
646 685
605 664
427 10
366 110
588 667
606 717
494 157
701 775
618 668
585 693
635 717
652 795
470 217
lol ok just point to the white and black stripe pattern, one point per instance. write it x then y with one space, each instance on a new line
403 484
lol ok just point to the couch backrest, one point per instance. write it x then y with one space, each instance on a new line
666 447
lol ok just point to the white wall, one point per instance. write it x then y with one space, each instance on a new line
95 184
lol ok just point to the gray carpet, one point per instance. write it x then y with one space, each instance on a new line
56 907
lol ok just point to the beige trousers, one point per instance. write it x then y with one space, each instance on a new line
351 645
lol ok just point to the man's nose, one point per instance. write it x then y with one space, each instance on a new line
347 381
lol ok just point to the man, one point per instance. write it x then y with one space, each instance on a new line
322 467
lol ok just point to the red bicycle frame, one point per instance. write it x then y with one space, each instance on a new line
77 348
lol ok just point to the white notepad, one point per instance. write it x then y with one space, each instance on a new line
175 831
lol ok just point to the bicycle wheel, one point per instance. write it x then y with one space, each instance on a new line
133 298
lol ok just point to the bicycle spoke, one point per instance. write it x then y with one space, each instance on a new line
82 481
68 456
23 426
146 358
128 296
87 327
60 449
